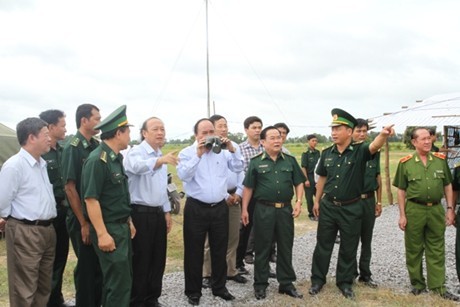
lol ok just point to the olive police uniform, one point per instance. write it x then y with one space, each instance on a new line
368 221
87 272
341 208
272 183
53 160
424 186
308 161
104 179
456 187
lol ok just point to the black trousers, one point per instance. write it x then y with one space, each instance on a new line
245 232
149 254
199 219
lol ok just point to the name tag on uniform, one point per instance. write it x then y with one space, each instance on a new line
263 165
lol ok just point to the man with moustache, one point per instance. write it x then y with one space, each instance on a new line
104 188
147 171
87 272
204 175
27 205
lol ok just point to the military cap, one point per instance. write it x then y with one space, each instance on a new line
116 119
341 117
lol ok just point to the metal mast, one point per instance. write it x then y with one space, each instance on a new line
207 60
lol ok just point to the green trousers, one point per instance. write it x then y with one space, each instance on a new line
425 234
457 243
273 223
116 266
347 220
367 231
310 193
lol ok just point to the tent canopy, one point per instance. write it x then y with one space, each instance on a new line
9 142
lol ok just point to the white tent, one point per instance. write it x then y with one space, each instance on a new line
9 143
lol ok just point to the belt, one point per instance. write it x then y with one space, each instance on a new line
147 209
35 222
342 202
231 191
208 205
367 195
272 204
424 203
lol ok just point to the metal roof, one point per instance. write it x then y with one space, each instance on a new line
439 111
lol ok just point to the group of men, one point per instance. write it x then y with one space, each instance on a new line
116 210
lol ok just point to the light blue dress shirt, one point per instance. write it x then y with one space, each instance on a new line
25 189
206 178
147 186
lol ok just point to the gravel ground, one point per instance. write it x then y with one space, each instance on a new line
388 266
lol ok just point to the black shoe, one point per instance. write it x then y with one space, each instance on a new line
225 295
238 278
368 281
291 292
242 270
273 258
348 293
314 289
271 274
416 291
193 300
260 294
450 296
206 284
249 259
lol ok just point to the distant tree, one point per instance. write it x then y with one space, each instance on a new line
238 137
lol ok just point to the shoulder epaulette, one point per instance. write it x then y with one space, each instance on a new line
405 159
258 155
103 156
439 155
75 141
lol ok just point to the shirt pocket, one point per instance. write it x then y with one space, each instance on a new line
117 178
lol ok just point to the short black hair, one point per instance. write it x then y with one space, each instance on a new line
216 117
250 120
360 122
195 128
311 136
28 126
51 116
264 131
282 125
432 131
84 111
111 134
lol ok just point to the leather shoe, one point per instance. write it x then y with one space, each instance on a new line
416 291
238 278
242 270
291 292
271 274
348 293
206 284
450 296
368 281
249 259
260 294
225 295
314 289
194 300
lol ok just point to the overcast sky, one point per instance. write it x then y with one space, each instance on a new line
290 60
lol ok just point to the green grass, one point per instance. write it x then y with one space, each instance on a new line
302 225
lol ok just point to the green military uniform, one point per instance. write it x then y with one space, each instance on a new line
456 187
368 221
424 186
308 161
87 273
104 179
53 160
272 182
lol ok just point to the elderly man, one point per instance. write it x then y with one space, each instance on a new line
422 179
338 201
27 203
147 171
204 172
270 180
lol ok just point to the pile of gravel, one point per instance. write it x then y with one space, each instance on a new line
388 266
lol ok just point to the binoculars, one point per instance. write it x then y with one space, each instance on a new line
215 144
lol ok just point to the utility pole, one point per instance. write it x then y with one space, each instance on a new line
207 60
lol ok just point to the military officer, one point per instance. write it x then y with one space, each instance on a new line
269 180
56 126
372 206
308 163
337 202
107 203
422 179
87 272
